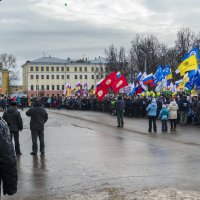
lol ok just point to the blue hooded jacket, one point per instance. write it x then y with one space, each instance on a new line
152 109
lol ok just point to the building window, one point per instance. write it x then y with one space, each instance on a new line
47 69
42 76
47 87
58 87
62 69
75 77
63 87
75 69
52 76
92 76
58 77
42 69
80 76
85 69
68 77
42 87
92 69
68 69
97 76
63 76
32 77
31 69
52 87
85 76
57 69
80 69
37 76
52 69
47 76
36 69
32 87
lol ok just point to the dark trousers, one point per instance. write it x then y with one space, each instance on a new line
120 119
16 140
35 135
164 125
152 120
173 123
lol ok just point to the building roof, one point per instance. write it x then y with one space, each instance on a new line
57 61
49 60
99 60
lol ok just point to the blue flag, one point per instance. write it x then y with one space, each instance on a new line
159 75
166 71
194 80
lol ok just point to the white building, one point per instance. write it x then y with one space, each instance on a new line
49 75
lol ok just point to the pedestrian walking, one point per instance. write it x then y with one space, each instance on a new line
120 104
163 116
8 164
39 117
152 113
173 114
14 120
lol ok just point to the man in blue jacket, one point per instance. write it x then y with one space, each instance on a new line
152 113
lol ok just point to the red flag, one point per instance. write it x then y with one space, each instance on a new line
109 80
120 83
101 92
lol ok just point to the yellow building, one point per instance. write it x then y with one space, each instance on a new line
48 75
4 82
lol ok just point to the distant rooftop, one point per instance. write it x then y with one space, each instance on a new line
57 61
49 60
99 60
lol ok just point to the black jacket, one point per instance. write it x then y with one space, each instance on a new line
8 165
120 105
38 116
13 119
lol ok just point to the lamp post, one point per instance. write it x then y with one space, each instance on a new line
145 60
37 88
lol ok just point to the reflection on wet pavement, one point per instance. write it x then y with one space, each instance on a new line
85 158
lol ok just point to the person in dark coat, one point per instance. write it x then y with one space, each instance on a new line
14 120
184 109
8 164
39 117
120 111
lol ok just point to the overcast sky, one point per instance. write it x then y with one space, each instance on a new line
31 28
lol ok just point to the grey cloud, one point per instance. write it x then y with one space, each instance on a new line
72 38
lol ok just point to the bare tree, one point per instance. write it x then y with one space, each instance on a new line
147 52
117 60
185 41
8 62
111 56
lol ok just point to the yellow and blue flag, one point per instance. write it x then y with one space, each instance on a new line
188 64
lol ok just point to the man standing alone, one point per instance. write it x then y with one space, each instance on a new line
15 124
120 111
39 117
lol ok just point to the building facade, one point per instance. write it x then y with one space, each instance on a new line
48 76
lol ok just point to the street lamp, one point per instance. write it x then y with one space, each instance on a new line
37 88
145 60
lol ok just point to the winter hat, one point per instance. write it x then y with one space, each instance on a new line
154 100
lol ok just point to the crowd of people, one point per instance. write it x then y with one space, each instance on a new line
135 106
